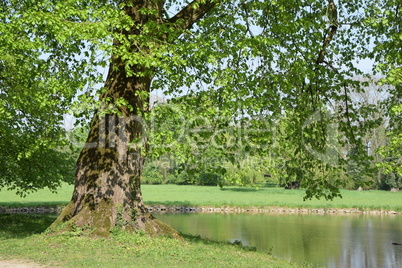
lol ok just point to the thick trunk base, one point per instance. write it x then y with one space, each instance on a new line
105 217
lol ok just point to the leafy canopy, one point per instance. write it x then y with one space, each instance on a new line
252 59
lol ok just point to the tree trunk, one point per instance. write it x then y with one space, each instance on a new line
107 191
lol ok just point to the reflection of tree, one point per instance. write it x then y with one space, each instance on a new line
366 242
330 241
299 237
213 226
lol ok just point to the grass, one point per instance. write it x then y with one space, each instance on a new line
21 234
42 197
188 195
267 197
20 237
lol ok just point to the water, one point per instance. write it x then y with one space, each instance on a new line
323 240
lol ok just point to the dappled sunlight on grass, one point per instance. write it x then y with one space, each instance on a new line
21 238
23 225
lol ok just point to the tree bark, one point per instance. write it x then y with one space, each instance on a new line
107 192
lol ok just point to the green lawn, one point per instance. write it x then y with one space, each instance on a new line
266 197
20 238
188 195
40 198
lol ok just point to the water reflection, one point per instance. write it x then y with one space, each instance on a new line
324 240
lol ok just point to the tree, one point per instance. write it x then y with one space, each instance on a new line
205 142
258 57
107 190
109 167
392 163
386 21
34 94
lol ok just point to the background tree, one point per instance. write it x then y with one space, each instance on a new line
392 162
37 74
392 59
386 20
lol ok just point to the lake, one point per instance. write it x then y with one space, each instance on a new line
323 240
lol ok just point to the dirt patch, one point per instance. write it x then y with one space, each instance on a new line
18 264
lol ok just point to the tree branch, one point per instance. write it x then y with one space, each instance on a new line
332 15
193 12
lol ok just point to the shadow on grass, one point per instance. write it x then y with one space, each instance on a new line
240 189
32 204
23 225
170 203
206 241
270 185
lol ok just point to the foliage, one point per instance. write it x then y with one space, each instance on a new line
244 65
386 21
282 150
256 76
358 171
249 171
391 181
194 138
392 153
152 175
43 66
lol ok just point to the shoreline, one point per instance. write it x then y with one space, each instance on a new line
211 209
266 210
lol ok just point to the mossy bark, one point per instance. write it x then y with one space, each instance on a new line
107 191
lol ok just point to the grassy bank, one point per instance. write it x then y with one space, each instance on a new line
20 238
187 195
